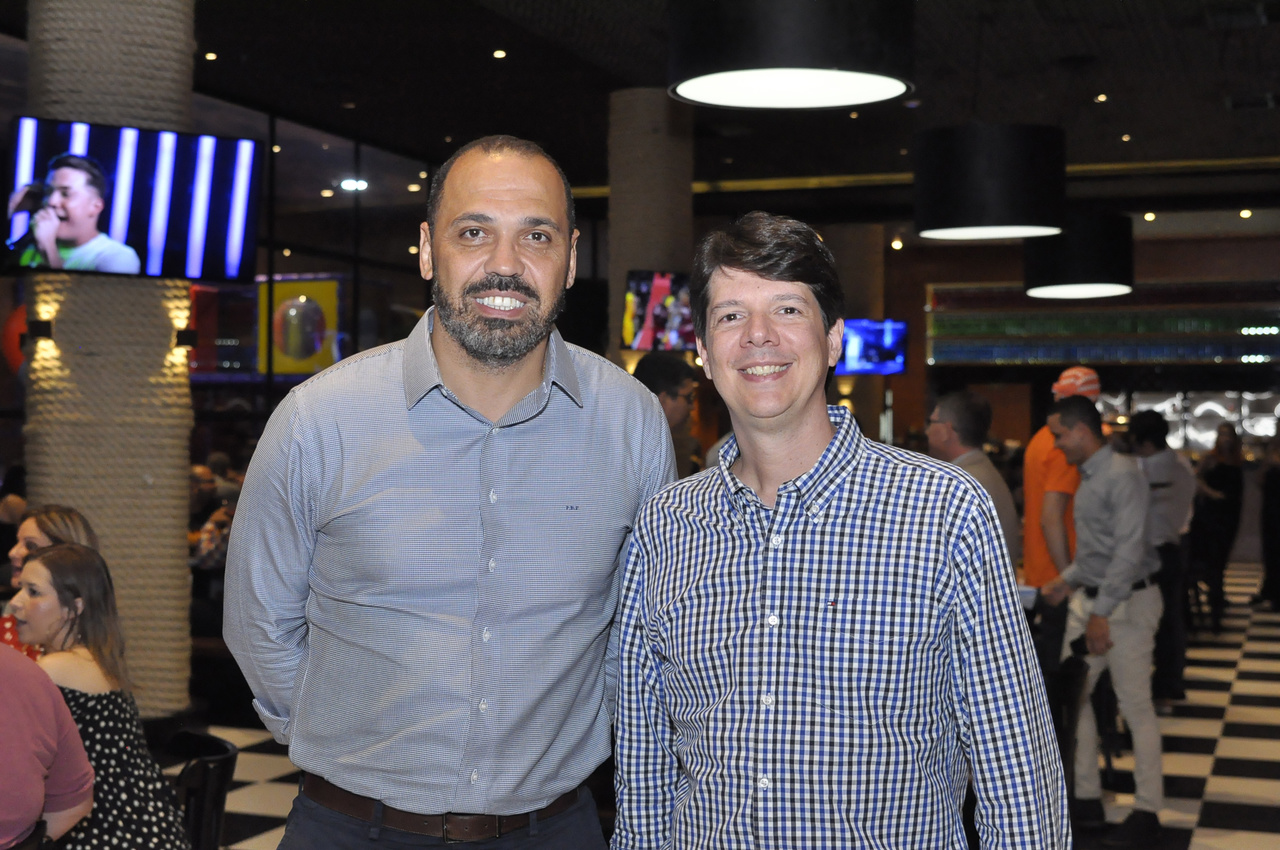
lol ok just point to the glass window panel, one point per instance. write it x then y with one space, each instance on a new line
391 302
392 207
1205 412
312 209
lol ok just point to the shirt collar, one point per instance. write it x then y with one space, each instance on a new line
422 370
817 487
1097 462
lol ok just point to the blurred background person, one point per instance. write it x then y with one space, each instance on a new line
1219 495
38 528
670 377
1173 490
46 784
67 606
957 431
1270 592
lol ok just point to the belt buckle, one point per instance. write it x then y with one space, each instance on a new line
496 832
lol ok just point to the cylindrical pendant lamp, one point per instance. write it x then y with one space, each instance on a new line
990 181
1091 258
789 54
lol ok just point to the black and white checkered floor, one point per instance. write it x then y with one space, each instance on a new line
1221 748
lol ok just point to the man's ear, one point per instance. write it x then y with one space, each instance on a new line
573 260
835 343
425 264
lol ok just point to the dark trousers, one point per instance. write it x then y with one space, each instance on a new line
1051 625
313 826
1171 639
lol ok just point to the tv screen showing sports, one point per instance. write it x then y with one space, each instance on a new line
657 315
120 200
873 347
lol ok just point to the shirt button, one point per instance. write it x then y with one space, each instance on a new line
485 635
493 564
766 700
772 620
475 777
493 497
495 429
763 781
776 541
484 706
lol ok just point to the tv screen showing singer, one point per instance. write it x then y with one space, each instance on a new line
873 347
120 200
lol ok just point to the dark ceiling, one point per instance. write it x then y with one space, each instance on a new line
1188 81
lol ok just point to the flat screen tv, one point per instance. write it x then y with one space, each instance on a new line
119 200
657 315
873 347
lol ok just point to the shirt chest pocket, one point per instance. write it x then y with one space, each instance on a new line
863 655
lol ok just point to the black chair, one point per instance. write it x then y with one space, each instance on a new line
203 783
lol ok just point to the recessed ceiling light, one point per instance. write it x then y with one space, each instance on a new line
902 151
1125 137
275 149
353 185
911 104
853 115
211 56
422 174
499 54
1246 213
350 104
896 244
325 146
447 140
287 252
728 160
413 249
326 193
415 187
1149 216
1102 98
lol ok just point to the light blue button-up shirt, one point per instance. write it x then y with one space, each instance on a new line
421 599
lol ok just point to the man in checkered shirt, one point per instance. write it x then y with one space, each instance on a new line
822 644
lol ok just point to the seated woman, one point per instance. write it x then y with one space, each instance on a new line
67 606
37 528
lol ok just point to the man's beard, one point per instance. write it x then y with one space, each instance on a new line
492 341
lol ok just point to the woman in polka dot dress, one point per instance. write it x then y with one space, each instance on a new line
66 605
37 528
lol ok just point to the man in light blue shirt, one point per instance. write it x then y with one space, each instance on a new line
422 573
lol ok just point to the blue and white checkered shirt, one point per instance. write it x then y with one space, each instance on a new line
830 672
421 599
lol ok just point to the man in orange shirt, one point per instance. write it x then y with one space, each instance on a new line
1048 529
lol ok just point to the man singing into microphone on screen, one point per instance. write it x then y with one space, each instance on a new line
64 230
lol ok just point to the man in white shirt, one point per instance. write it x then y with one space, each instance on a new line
1173 491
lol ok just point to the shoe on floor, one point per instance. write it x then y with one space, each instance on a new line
1140 829
1086 814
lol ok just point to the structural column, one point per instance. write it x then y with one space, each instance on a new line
650 199
109 406
859 254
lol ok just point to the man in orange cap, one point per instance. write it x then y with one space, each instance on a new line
1048 528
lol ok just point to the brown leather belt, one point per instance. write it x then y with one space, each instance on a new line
450 827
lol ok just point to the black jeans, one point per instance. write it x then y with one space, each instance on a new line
1171 639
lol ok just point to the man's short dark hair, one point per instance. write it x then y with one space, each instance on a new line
93 172
492 145
1149 427
968 413
1076 409
664 372
773 247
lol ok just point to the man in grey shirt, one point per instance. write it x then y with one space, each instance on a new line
956 431
423 570
1117 610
